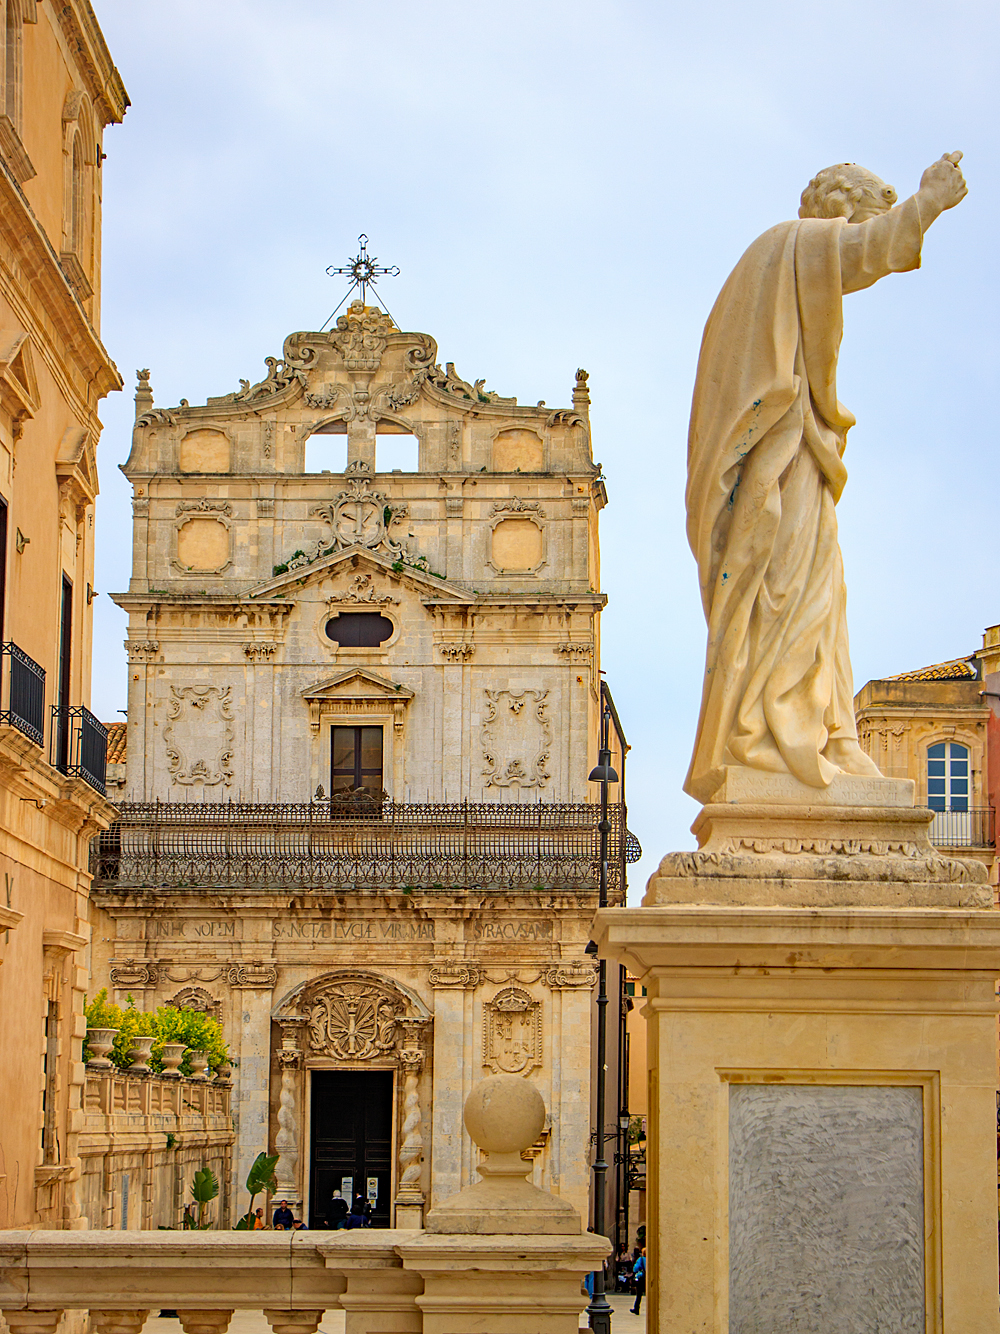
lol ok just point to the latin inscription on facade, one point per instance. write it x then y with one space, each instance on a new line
500 930
826 1209
366 931
186 928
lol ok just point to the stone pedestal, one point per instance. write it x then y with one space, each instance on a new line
822 1070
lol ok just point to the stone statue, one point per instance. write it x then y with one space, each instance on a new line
765 471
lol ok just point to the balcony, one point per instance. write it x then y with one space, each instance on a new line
78 745
24 694
384 845
972 828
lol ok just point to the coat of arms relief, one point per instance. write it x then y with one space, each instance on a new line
512 1032
353 1022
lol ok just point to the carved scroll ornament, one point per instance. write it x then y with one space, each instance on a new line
517 738
199 735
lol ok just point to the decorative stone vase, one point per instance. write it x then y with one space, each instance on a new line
224 1073
100 1041
139 1054
173 1054
199 1065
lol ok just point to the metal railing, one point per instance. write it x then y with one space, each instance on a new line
316 845
972 828
78 745
24 692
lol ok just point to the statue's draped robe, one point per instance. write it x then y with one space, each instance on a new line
765 470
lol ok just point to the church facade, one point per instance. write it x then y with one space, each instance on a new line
363 706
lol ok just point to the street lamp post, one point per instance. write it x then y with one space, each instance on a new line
599 1310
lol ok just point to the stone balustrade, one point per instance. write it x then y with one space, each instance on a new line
142 1139
500 1257
386 1282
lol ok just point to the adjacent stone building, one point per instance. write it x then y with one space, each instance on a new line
59 90
363 706
935 725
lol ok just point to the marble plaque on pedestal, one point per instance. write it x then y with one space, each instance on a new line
826 1209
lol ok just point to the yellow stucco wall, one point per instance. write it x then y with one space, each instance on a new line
58 77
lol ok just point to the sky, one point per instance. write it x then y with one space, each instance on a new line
562 185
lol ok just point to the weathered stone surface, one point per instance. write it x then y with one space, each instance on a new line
826 1208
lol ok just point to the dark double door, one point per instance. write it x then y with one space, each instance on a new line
351 1141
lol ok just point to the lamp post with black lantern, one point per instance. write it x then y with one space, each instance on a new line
599 1310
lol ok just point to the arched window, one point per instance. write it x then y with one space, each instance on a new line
948 777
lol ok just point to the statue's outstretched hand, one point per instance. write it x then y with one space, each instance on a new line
943 184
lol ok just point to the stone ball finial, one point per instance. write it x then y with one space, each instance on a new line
504 1114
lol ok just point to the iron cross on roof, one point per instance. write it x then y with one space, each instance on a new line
363 270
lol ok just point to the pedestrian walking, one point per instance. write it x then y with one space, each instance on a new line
639 1275
336 1215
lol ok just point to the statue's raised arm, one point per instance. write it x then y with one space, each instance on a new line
765 471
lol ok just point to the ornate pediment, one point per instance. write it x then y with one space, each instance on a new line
357 690
352 560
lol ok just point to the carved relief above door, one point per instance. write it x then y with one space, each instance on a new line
354 1016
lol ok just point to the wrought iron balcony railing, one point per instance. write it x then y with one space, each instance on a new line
385 845
23 694
78 745
973 828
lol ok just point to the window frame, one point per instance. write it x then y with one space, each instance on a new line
357 772
947 759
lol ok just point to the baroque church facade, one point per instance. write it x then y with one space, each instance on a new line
363 705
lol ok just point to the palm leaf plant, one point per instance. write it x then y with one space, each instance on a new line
259 1178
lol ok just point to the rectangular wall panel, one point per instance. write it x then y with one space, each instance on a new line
826 1209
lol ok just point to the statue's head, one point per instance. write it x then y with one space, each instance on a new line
846 191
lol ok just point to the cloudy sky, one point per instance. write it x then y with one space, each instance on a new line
562 185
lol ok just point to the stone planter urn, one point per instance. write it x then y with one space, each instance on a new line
139 1054
100 1041
173 1054
224 1073
199 1066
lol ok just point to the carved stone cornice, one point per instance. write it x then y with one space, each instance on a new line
35 256
454 975
570 976
143 651
260 650
133 973
204 505
93 60
457 652
252 976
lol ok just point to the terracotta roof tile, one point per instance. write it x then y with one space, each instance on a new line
957 669
116 742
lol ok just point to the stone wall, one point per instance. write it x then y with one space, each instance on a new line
142 1141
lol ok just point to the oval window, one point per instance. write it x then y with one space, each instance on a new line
359 629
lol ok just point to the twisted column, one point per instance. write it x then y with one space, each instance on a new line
409 1196
286 1141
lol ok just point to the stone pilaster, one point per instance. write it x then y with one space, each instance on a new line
253 986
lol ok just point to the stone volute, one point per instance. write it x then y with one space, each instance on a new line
504 1115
